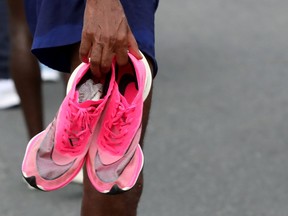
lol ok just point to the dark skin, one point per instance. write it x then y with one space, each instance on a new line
105 35
24 68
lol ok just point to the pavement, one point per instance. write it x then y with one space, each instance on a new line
217 142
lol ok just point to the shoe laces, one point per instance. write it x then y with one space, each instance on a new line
117 128
77 127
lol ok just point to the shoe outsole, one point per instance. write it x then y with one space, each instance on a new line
116 190
31 183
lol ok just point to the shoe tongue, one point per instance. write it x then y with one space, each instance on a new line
89 91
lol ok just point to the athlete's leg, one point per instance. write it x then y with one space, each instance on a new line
124 204
24 68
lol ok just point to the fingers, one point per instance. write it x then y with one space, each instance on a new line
85 48
102 50
106 59
122 56
128 45
133 46
121 47
95 59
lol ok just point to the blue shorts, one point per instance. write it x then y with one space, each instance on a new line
4 42
56 25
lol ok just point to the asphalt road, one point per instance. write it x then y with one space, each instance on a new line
217 142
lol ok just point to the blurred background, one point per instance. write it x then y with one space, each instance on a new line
217 143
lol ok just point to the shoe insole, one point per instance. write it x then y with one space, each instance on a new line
128 87
104 81
130 92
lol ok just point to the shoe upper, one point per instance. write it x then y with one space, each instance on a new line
123 114
77 116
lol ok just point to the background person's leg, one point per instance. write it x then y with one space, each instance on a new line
25 68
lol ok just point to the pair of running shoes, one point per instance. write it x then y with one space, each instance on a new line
98 123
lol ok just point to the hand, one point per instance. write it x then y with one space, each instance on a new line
106 34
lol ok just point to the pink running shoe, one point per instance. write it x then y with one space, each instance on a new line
115 158
55 156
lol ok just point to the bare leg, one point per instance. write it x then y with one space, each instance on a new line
25 69
124 204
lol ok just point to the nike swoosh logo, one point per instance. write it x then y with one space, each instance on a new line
47 168
111 172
